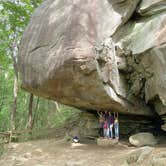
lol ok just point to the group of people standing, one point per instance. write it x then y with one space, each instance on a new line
108 125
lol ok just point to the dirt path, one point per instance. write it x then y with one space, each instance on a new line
60 153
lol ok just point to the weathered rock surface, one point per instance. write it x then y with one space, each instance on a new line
159 160
98 54
143 43
85 125
136 157
122 10
145 156
142 139
130 125
150 7
164 122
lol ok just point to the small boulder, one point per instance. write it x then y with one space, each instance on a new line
142 139
106 142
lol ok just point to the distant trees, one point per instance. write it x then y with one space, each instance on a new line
14 16
19 109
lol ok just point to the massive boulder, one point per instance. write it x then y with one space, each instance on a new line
66 55
97 54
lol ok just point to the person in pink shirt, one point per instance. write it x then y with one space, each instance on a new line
105 127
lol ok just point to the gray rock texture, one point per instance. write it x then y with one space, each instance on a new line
143 43
142 139
107 55
136 157
150 7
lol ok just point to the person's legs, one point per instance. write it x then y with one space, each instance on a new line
108 131
117 131
102 132
105 132
111 132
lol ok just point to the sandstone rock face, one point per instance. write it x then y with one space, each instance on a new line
98 54
142 139
150 7
143 43
86 125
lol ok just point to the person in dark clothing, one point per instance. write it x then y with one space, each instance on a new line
106 115
110 124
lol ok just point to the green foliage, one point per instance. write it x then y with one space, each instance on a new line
14 17
6 97
1 149
47 115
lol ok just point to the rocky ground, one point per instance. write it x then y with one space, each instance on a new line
59 152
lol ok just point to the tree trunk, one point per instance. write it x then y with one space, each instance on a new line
30 112
2 99
34 3
57 106
35 110
14 108
58 111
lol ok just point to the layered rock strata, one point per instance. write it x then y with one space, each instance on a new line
86 125
143 42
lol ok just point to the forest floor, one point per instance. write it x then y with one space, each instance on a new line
59 152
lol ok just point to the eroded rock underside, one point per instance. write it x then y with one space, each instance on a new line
86 125
98 55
